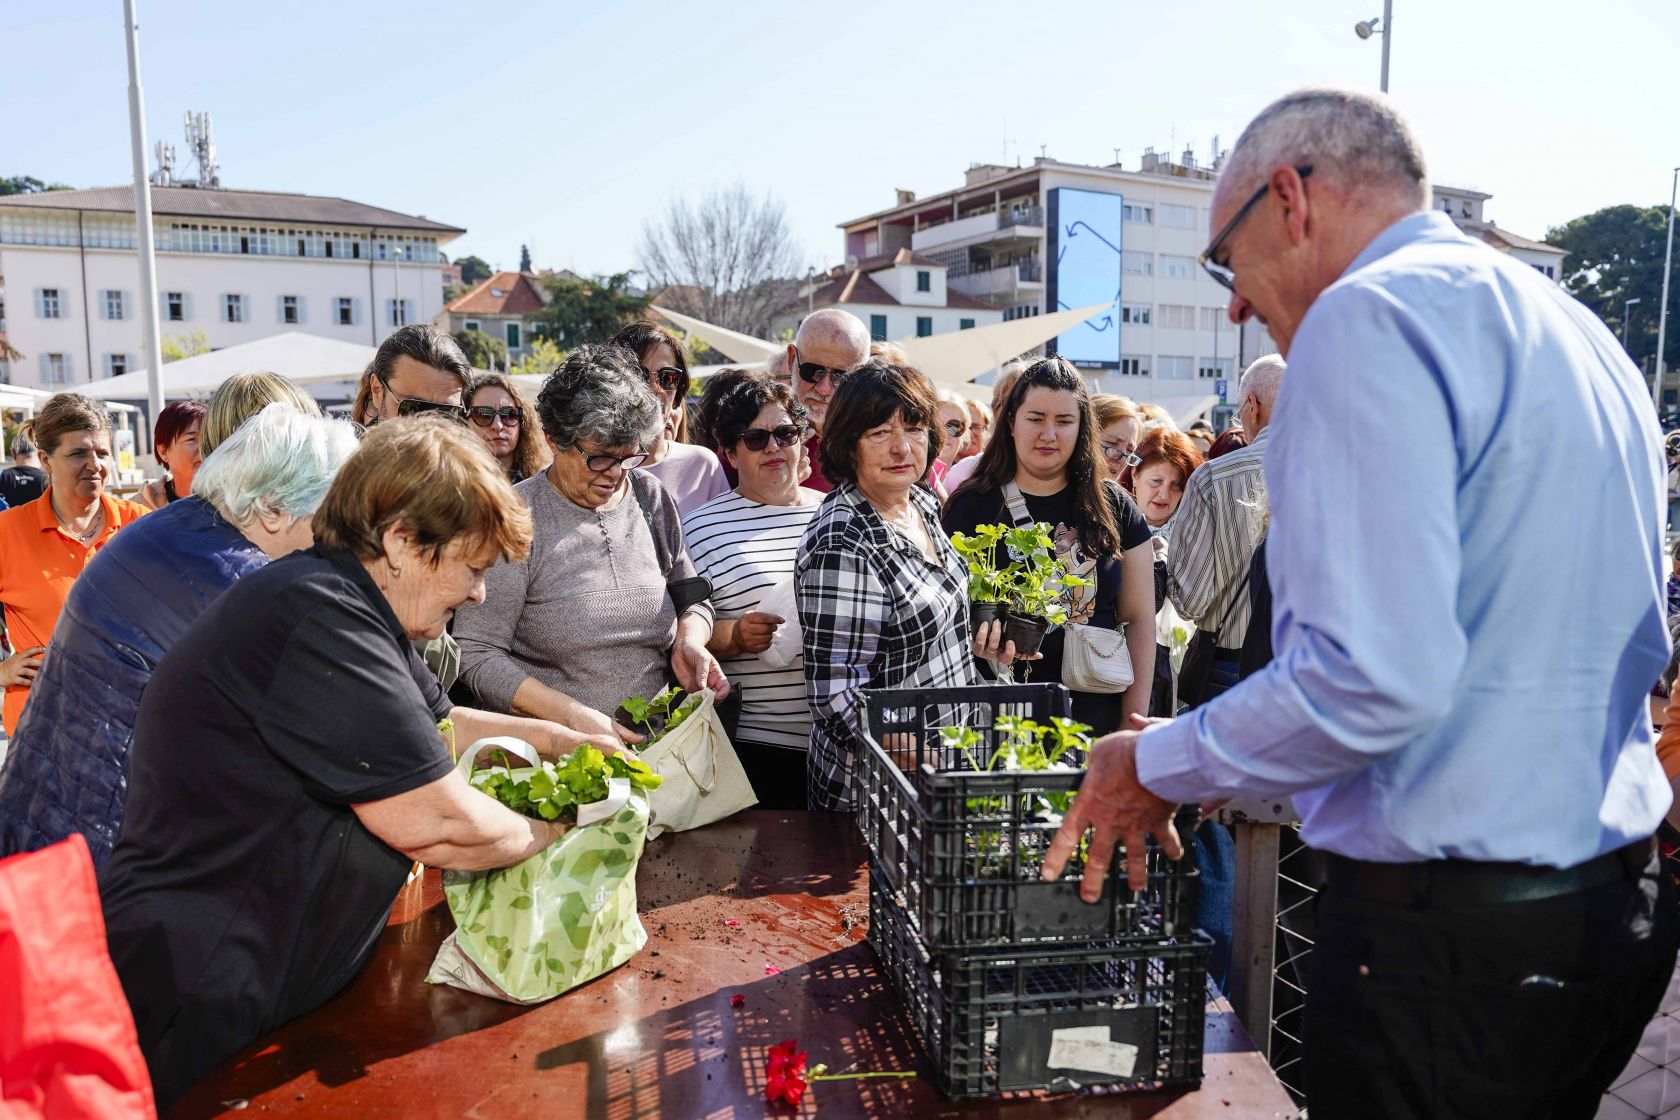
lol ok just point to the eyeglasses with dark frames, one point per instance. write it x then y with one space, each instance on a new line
668 378
601 464
1218 269
485 416
785 435
414 406
1114 453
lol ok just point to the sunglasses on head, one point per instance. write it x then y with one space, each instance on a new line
484 415
812 373
667 378
785 435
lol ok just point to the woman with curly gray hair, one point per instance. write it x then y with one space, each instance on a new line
605 601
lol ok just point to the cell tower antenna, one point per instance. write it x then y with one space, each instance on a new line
202 144
164 176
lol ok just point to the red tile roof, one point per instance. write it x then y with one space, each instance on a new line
518 296
857 287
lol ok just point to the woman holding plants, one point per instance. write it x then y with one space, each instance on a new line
1165 459
745 543
1043 468
883 597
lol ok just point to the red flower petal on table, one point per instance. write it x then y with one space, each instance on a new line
771 970
784 1080
737 1000
732 921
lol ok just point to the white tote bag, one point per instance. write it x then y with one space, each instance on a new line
704 779
787 644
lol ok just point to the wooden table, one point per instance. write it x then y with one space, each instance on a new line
659 1037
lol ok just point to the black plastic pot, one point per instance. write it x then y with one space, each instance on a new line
981 613
1026 632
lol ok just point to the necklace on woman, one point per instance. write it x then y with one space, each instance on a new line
92 529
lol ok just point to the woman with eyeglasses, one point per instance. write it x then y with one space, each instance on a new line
691 474
1042 466
1119 427
1165 459
496 411
745 543
607 600
953 422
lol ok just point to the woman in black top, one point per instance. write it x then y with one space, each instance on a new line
25 480
1042 465
287 767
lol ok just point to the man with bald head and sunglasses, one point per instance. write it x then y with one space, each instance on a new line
831 343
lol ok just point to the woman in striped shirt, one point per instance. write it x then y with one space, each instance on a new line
745 542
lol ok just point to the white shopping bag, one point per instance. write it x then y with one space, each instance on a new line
787 645
704 779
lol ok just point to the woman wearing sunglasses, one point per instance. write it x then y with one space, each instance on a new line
497 413
692 474
745 543
953 421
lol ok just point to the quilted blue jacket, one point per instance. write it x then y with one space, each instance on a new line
67 767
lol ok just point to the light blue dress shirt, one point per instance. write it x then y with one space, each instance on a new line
1466 561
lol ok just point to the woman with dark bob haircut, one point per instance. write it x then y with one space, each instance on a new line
883 597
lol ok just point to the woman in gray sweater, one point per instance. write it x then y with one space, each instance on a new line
587 619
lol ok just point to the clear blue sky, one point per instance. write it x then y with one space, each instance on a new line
563 125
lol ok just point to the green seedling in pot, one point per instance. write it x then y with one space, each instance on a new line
987 583
1024 744
554 790
661 715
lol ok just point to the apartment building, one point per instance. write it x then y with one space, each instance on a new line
899 295
1466 208
236 265
993 237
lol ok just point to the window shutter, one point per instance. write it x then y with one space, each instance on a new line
41 313
186 307
356 311
69 368
300 315
41 359
247 309
280 310
128 302
104 308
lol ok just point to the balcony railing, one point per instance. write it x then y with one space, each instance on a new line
1031 216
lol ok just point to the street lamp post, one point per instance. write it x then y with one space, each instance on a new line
1383 26
1625 305
143 219
1662 314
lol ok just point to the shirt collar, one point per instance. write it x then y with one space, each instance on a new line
47 520
876 528
345 561
1427 225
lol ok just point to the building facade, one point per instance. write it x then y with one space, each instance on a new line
1465 208
898 295
505 306
234 265
992 234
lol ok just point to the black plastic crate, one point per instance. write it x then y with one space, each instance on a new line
991 1021
964 845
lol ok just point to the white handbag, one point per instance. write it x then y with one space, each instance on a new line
1095 659
704 779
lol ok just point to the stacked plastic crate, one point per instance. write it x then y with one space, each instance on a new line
1013 984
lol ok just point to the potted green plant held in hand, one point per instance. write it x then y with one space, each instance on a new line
1037 589
988 585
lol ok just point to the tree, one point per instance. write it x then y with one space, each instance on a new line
484 351
178 346
580 311
1616 254
524 258
730 259
473 269
28 184
544 356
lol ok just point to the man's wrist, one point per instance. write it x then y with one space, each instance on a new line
1164 758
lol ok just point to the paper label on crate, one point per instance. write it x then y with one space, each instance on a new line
1089 1049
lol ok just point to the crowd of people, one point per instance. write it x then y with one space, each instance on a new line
232 687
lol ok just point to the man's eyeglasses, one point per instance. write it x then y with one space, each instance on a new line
785 435
1218 269
812 373
1114 453
601 464
955 428
414 406
668 378
484 416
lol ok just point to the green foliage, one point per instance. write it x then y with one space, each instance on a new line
583 311
986 582
1024 744
1616 254
524 258
543 358
28 184
484 351
1034 583
178 346
661 715
554 790
473 270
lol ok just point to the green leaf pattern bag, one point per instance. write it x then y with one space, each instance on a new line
558 919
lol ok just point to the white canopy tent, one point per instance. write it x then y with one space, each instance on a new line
29 401
299 357
744 348
954 359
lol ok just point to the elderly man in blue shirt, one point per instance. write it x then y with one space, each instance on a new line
1467 625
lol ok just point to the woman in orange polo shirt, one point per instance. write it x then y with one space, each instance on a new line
45 545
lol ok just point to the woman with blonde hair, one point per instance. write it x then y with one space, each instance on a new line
244 395
1119 427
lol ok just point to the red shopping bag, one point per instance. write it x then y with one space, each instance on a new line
67 1045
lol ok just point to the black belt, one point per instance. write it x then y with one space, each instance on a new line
1463 882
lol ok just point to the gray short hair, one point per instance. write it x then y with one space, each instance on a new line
1262 378
279 462
1359 139
600 395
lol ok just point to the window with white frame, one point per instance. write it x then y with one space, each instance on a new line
1175 366
1214 367
396 312
55 369
50 305
1135 263
116 365
346 311
233 308
1214 319
175 306
1134 365
1137 313
1176 317
114 309
289 310
1176 217
1177 268
1132 212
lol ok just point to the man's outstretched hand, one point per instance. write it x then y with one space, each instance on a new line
1116 805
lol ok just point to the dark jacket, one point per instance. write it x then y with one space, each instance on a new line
66 770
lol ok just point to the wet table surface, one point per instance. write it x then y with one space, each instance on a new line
658 1037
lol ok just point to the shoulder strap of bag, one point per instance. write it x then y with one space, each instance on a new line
640 486
1242 589
1017 505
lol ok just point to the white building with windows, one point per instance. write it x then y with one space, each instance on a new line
991 235
898 296
236 265
1465 207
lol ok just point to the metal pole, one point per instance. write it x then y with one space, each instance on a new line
143 218
1388 38
1626 304
1662 315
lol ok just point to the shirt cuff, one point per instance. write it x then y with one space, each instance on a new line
1165 764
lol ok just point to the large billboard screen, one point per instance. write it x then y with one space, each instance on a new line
1084 255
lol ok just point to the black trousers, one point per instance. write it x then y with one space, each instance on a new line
1527 1009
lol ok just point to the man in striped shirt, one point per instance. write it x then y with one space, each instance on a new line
1220 523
